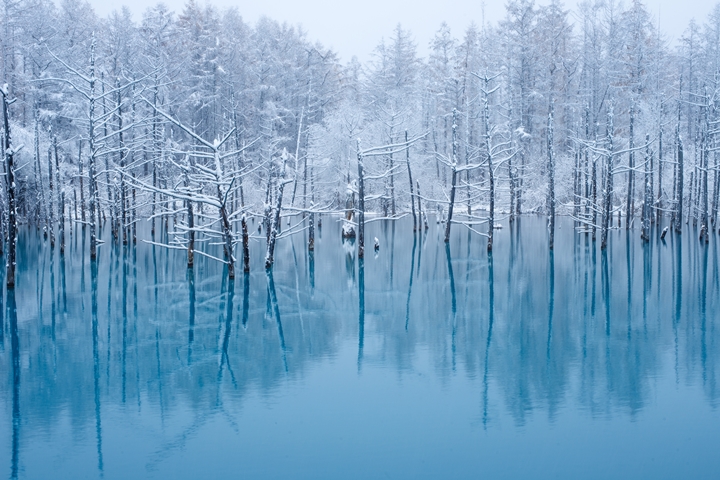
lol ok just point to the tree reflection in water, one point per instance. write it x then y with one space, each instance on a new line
521 331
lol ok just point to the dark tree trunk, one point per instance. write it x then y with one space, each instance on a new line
361 204
453 181
12 207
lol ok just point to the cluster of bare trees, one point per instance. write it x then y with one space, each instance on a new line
203 125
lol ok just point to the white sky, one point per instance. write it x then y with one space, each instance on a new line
356 27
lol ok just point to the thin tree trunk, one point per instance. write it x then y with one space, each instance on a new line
630 204
491 173
191 228
361 203
10 185
704 220
453 167
91 158
275 227
647 194
680 181
659 202
551 173
61 191
608 193
412 196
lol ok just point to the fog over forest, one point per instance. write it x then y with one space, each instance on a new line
201 119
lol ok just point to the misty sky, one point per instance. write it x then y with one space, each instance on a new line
355 28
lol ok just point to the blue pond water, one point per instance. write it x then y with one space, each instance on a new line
423 361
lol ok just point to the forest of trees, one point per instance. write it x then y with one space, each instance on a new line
201 124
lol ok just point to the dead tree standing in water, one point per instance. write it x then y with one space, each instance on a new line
10 185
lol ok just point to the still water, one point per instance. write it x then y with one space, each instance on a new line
423 361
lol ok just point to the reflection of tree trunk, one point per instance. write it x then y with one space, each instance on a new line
453 304
361 310
451 277
647 280
311 268
224 358
15 349
491 319
246 299
703 313
272 297
628 260
677 286
191 313
606 289
124 325
410 283
551 305
96 362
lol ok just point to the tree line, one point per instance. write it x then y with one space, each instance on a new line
202 124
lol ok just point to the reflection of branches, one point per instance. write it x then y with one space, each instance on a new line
274 309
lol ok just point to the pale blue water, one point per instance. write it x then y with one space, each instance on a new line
424 362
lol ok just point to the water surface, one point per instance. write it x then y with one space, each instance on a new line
425 360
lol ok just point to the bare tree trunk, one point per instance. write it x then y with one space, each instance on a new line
551 173
361 204
453 167
576 184
191 229
659 202
680 181
608 193
10 185
91 158
468 142
51 205
647 194
123 187
156 149
246 247
392 183
311 229
519 180
491 173
275 226
224 220
42 206
297 156
594 197
61 191
421 218
412 196
716 186
704 220
630 205
512 181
